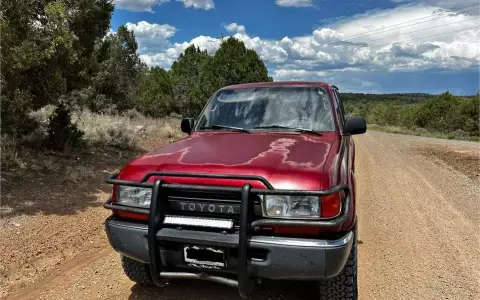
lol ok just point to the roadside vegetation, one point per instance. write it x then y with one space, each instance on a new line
69 83
443 116
125 135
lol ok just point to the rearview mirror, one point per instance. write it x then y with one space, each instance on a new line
187 125
355 125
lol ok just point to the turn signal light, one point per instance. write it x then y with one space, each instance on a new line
130 215
331 205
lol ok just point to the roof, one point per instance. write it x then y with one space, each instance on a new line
278 83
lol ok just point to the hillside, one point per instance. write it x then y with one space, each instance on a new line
400 98
445 115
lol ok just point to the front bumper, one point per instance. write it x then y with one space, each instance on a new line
286 258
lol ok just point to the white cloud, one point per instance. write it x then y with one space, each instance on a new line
268 50
380 27
330 53
440 3
151 37
139 5
326 35
450 4
203 42
412 50
234 27
294 3
166 58
199 4
296 74
158 59
148 5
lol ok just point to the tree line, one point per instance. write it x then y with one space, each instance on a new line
60 53
445 113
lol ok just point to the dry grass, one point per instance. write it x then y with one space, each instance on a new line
11 153
124 131
130 131
41 116
457 135
77 173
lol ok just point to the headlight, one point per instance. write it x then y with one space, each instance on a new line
301 207
134 196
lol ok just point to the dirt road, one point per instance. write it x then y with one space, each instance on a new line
419 218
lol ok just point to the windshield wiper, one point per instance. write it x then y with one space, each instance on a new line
226 127
288 127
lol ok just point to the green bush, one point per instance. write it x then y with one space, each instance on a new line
61 132
14 114
155 96
452 116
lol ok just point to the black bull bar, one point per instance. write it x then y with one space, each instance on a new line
156 215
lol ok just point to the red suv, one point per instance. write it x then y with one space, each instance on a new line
262 187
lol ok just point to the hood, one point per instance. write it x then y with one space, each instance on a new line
286 160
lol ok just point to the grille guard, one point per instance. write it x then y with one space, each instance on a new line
156 213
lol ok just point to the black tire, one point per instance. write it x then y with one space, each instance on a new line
136 271
344 286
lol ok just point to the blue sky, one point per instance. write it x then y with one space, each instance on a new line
358 45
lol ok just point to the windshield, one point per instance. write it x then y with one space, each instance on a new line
295 107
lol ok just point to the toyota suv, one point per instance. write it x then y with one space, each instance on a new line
262 187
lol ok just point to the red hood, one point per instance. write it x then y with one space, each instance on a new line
286 160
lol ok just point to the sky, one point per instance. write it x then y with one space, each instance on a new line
370 46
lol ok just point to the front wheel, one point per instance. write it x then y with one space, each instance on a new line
344 286
136 271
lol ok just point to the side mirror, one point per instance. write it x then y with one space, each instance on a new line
355 125
187 125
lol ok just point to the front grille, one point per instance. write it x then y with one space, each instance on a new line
208 204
